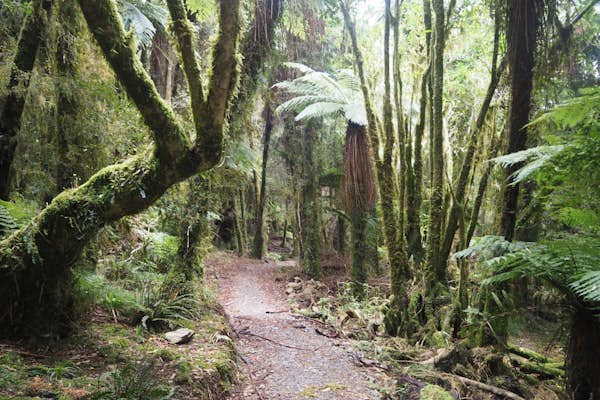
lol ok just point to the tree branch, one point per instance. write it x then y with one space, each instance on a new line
223 81
184 34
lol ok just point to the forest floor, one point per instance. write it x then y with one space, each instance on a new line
284 356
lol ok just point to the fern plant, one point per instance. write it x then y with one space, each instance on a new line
144 17
567 169
7 223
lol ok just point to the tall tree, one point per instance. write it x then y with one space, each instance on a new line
435 275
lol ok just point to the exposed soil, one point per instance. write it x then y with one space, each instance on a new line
283 357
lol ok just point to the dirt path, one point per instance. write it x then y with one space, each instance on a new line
283 355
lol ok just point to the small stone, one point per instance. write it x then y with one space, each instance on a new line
179 336
222 338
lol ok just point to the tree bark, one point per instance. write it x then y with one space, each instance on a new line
35 261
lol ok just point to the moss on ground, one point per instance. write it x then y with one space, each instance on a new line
434 392
97 360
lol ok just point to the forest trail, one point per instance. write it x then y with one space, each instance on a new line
283 358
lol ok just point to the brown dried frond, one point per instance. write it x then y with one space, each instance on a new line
359 191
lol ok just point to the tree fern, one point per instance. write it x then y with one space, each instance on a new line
144 17
318 94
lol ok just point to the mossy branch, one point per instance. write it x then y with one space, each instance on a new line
184 34
223 80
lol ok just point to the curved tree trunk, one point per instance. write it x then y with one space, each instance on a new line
35 261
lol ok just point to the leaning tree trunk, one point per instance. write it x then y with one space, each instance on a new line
462 185
35 27
35 261
259 245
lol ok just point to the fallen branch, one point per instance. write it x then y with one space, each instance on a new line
529 354
488 388
248 333
547 370
11 349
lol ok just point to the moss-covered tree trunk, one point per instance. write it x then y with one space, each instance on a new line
35 262
187 272
68 94
259 245
583 353
309 216
436 285
33 33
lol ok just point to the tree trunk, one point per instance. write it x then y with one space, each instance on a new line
358 273
309 217
435 275
523 23
35 261
259 244
35 28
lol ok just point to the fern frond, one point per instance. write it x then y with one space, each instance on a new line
317 110
314 87
300 67
298 103
7 223
534 158
138 17
575 111
588 286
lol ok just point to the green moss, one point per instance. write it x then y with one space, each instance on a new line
434 392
